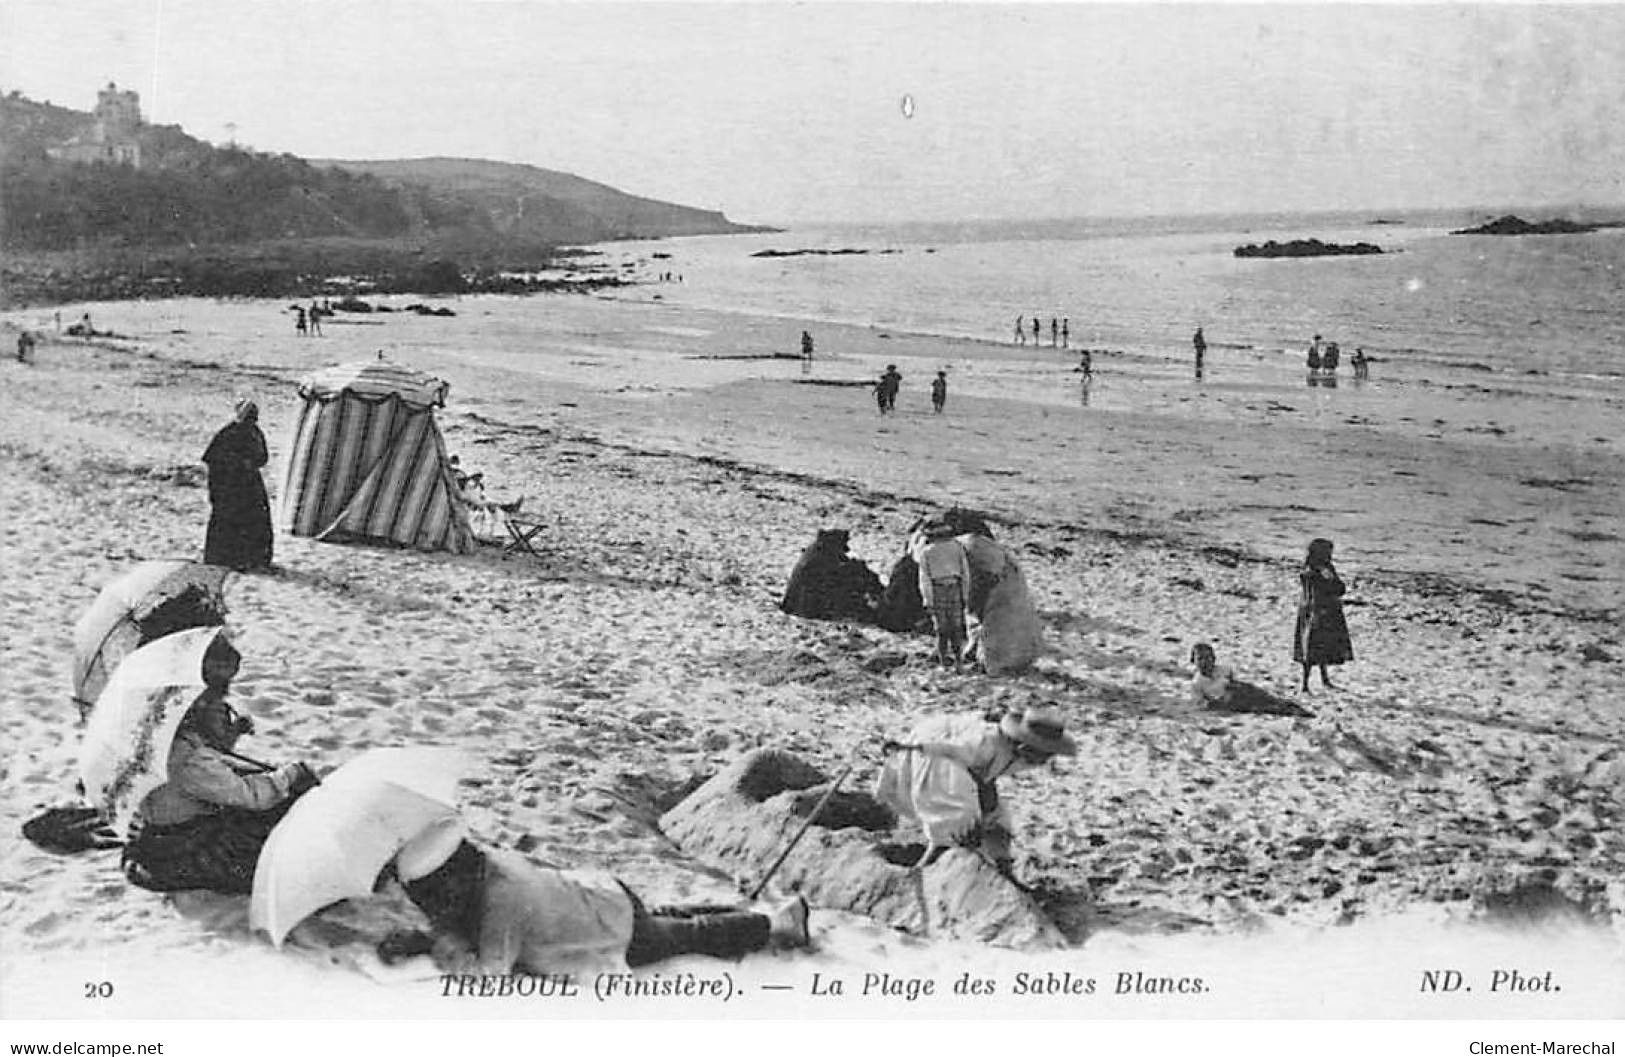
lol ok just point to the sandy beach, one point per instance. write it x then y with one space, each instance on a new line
1456 804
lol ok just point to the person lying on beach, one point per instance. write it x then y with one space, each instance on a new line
1216 687
944 776
203 828
498 912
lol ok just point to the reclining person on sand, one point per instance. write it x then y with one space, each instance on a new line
497 912
945 776
1216 687
204 827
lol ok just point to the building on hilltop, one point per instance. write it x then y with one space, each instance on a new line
113 138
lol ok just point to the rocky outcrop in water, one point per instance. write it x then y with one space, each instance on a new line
1516 225
1306 248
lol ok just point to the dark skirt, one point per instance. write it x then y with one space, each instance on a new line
1322 635
239 533
213 852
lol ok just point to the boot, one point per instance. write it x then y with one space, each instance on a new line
787 923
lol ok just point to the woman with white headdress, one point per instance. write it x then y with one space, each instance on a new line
239 534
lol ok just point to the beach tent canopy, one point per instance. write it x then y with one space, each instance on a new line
367 461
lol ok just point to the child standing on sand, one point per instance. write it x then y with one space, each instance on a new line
939 391
1321 637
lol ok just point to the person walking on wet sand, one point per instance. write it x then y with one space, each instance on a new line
806 346
890 382
1021 330
25 346
1054 333
939 391
1199 343
315 320
1035 332
1321 636
1066 333
299 326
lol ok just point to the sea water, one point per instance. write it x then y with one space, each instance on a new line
1505 352
1544 311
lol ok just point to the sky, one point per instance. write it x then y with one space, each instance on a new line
778 112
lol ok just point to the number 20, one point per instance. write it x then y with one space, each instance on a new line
99 989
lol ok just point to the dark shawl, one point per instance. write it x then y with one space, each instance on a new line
827 584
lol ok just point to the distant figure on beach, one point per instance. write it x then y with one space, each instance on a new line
939 391
204 827
495 911
1216 687
944 777
1321 637
1199 343
316 315
886 390
239 533
58 317
299 326
25 346
1021 330
1035 332
945 578
1361 365
1054 333
806 346
1086 362
1329 358
1313 359
1066 333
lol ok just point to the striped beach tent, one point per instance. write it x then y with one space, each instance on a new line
367 461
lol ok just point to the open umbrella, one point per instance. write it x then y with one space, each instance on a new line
125 754
146 603
334 841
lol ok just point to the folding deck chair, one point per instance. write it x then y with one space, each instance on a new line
522 533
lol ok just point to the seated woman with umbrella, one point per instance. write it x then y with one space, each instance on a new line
202 814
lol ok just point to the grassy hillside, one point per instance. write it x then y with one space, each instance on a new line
527 200
196 218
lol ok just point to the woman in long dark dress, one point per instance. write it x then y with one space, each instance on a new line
239 534
1322 635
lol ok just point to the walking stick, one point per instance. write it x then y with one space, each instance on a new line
86 705
802 832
